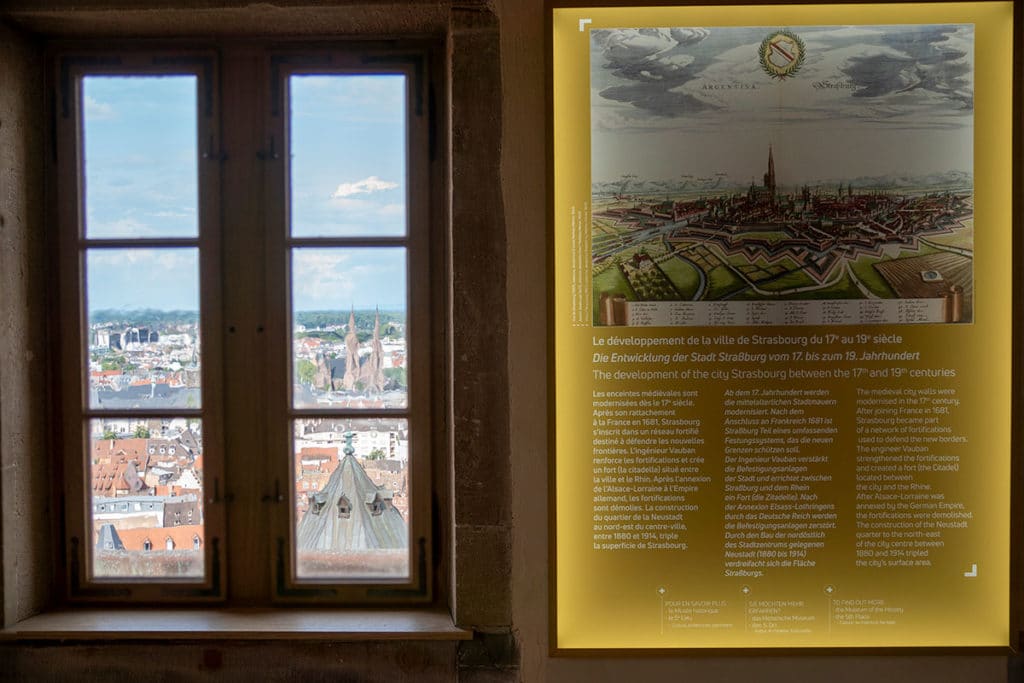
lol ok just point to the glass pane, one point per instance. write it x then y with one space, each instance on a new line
352 498
349 328
347 155
140 141
143 336
146 503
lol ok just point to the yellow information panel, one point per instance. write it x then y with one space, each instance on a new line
782 318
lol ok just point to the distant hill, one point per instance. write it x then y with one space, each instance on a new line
157 319
364 318
646 188
723 184
938 181
145 317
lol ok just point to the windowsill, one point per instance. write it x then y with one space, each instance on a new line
237 624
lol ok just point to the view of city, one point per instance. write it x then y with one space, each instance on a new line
356 360
147 498
351 476
352 498
347 179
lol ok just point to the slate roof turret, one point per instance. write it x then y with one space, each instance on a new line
351 514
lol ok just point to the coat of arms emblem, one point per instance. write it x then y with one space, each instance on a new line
782 54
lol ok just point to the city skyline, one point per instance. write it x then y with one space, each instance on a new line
129 312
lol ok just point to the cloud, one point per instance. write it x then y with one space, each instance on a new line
927 60
851 32
652 79
336 278
654 62
322 95
98 111
635 46
690 35
658 100
361 214
392 210
184 212
143 278
350 204
118 227
181 261
649 53
368 206
322 276
364 186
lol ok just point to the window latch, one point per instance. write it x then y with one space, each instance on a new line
265 155
216 499
277 496
211 155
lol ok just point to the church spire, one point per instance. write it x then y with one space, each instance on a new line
372 371
351 353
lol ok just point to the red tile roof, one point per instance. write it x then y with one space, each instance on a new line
182 536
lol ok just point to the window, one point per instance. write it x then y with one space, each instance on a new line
245 318
344 507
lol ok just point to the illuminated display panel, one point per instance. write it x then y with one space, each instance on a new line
782 319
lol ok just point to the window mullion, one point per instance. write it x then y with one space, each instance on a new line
277 275
245 328
211 321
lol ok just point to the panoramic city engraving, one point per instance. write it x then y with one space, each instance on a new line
759 176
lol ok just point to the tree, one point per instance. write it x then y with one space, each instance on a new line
305 370
113 363
141 432
376 454
108 434
395 376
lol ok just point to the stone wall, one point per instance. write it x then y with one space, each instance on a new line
24 473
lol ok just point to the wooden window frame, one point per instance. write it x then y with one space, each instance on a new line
73 244
324 60
234 525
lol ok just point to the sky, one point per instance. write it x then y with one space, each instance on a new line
347 175
867 101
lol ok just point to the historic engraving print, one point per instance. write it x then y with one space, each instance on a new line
782 175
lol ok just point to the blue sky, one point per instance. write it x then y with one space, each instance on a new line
348 155
339 278
347 167
131 279
140 156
